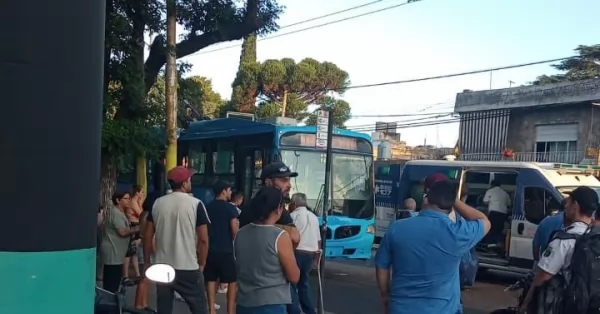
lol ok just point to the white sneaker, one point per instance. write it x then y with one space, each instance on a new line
217 306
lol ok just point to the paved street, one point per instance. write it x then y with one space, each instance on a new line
350 289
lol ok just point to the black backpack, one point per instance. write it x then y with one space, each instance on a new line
582 294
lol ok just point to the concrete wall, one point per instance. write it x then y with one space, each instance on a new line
522 125
529 96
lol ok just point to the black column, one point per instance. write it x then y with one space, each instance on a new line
51 69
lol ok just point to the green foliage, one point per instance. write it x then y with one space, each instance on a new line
304 83
341 112
576 69
131 104
245 85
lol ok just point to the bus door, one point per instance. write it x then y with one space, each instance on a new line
249 169
535 199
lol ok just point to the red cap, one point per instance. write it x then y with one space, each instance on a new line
180 174
433 178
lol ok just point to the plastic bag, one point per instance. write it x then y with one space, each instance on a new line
469 265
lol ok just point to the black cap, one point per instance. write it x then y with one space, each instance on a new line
220 186
586 197
277 169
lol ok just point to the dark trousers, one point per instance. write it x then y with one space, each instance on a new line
265 309
190 285
497 221
112 275
301 293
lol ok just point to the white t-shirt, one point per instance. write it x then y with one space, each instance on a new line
557 256
497 199
307 224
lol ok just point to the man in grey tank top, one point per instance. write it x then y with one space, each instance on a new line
265 259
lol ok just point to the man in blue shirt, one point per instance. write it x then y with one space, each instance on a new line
423 255
544 232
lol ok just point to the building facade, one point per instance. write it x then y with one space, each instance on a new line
549 123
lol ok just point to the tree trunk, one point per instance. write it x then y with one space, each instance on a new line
284 103
108 179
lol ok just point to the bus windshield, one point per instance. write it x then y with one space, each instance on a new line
352 192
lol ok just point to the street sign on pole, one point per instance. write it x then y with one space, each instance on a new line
322 123
324 139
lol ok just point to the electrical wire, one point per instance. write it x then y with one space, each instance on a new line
437 77
202 52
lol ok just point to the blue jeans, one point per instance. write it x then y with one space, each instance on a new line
265 309
301 293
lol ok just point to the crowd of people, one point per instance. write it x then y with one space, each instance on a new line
260 255
418 261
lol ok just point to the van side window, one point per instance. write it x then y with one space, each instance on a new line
538 203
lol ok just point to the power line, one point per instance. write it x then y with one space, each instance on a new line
331 14
430 78
314 26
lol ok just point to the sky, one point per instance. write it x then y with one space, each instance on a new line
423 39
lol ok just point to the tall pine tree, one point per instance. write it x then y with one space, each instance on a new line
245 85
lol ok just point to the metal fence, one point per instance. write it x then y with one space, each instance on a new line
571 157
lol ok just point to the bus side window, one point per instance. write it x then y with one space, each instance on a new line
538 203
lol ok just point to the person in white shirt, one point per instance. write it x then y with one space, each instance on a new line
498 201
306 253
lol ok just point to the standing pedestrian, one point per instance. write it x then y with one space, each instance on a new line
277 175
422 255
115 241
133 214
307 253
220 263
265 259
180 223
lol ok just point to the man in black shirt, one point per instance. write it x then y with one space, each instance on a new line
276 174
220 262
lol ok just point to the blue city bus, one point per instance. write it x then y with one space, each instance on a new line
236 149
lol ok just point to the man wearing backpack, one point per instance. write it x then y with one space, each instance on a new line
569 265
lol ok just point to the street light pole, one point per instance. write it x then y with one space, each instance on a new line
326 204
51 82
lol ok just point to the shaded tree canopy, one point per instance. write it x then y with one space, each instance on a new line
195 91
341 112
298 85
129 76
583 67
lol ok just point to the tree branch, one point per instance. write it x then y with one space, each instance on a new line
158 51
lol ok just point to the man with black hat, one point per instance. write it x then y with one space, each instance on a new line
276 174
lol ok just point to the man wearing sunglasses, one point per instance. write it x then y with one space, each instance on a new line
276 174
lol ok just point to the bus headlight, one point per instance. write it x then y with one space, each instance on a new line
371 229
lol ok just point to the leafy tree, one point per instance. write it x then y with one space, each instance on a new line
245 85
129 77
196 91
341 112
580 68
294 86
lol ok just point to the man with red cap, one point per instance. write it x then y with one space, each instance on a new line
179 223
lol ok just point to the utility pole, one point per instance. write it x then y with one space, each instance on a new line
510 83
324 121
50 267
171 87
491 77
284 103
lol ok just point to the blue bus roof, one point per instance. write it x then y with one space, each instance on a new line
230 127
225 127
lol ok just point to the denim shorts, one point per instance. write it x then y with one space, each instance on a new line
265 309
